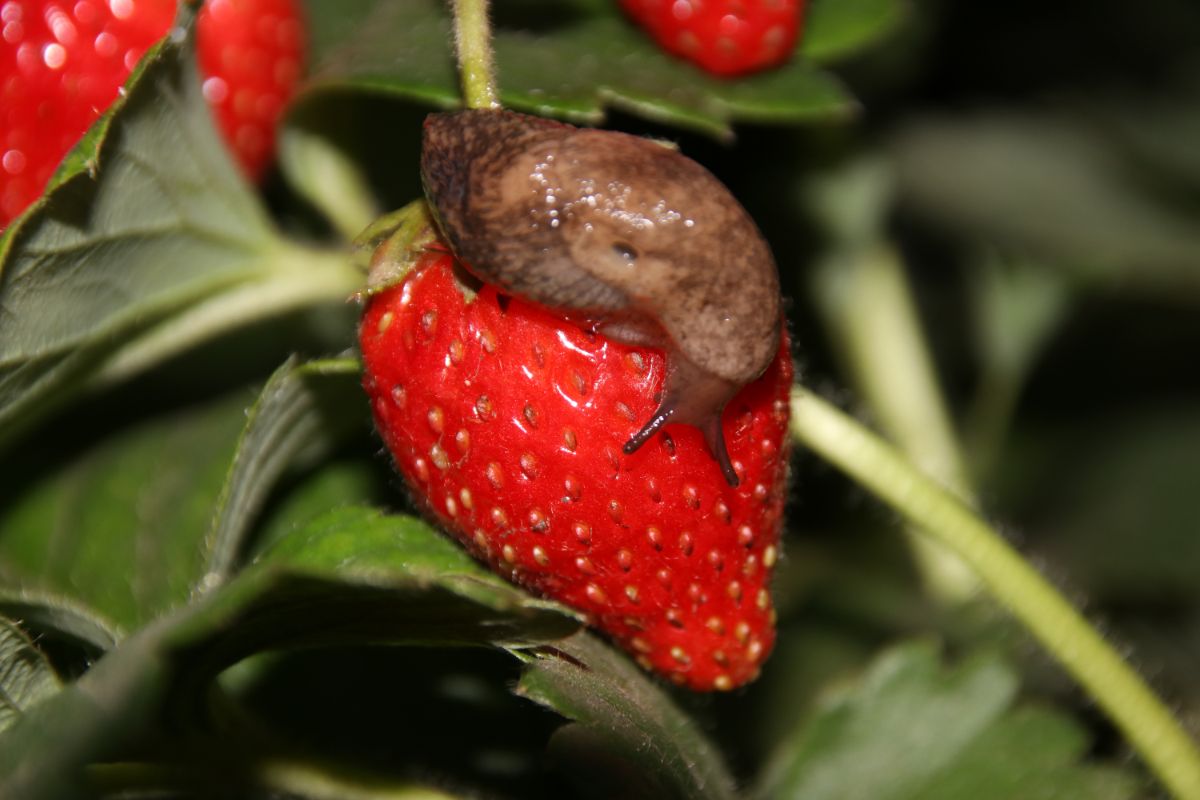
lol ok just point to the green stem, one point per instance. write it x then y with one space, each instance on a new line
329 179
474 39
1079 648
292 278
869 304
864 296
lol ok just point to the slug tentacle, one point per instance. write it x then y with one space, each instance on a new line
693 398
606 226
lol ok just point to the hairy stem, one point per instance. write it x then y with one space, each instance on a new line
473 37
864 295
1168 751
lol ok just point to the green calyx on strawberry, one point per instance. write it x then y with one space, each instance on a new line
62 65
508 425
724 37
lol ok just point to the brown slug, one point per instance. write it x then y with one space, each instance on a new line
638 239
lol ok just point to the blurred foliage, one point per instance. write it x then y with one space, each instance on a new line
860 743
202 551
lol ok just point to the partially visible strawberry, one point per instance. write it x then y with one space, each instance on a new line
725 37
251 55
62 63
508 424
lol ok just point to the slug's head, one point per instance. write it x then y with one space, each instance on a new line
622 230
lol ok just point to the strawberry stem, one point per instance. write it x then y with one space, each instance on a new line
865 299
473 38
1168 751
861 289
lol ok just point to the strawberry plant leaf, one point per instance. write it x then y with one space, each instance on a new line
59 616
583 58
160 484
1018 307
368 546
149 242
970 740
299 417
834 29
121 526
405 582
328 178
343 482
26 677
351 576
1057 190
627 738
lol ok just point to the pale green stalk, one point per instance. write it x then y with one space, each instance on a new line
864 296
473 38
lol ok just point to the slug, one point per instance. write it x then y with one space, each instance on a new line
622 231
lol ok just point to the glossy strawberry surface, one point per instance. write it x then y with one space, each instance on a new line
507 424
63 62
724 37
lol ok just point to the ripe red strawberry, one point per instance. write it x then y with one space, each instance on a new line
62 64
725 37
508 424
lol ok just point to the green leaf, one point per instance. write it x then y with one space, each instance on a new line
913 729
60 617
149 243
1156 130
369 548
303 413
26 677
135 525
574 60
1057 190
1018 306
352 576
344 482
834 29
628 738
121 527
328 178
